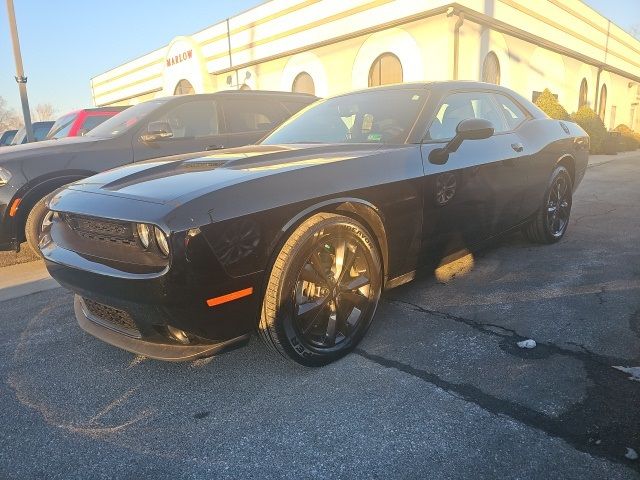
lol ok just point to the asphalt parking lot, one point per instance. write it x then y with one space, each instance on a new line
438 388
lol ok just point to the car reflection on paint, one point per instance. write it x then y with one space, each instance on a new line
297 237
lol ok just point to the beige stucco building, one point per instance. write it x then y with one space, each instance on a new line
330 46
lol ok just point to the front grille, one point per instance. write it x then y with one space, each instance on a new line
101 230
114 316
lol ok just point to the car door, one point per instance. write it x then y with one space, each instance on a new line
190 125
477 192
248 120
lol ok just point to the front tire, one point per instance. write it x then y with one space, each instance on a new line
552 219
323 290
37 219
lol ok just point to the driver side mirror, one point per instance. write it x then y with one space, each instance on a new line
470 129
157 131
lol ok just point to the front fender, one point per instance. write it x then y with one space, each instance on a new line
25 197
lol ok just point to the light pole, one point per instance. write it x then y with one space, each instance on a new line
20 76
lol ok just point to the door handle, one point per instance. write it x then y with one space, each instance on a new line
214 147
518 147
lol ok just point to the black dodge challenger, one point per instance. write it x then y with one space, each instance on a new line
297 236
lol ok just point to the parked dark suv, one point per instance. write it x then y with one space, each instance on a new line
157 128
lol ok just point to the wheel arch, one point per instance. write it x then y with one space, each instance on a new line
34 190
568 162
360 210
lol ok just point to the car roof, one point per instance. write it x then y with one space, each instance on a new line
33 124
115 108
444 85
241 93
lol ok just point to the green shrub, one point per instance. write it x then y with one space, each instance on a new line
630 140
548 103
593 125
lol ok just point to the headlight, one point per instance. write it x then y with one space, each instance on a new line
5 176
144 233
161 239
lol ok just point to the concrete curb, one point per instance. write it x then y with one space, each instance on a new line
595 160
24 279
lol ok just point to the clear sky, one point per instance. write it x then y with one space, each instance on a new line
65 43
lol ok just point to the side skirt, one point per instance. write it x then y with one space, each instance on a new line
410 276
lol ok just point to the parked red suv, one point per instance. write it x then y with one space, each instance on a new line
76 124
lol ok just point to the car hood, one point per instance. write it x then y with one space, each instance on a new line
45 147
177 179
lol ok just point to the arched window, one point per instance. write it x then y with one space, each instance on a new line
491 69
602 107
583 99
184 87
384 70
303 83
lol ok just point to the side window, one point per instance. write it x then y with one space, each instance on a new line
514 115
463 106
193 119
253 116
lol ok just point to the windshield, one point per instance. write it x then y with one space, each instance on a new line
62 126
374 116
125 120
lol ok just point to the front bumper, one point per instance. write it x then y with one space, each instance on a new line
8 233
8 240
159 351
154 303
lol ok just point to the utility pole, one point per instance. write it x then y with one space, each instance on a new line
20 76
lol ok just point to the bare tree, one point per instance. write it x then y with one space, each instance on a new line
635 31
9 119
43 112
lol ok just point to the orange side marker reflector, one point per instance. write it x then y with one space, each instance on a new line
230 297
14 207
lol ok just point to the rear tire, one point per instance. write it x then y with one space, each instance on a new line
323 290
36 219
552 219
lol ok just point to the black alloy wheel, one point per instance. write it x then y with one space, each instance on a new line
550 222
558 206
323 291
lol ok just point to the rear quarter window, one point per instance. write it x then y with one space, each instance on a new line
253 116
295 107
514 115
